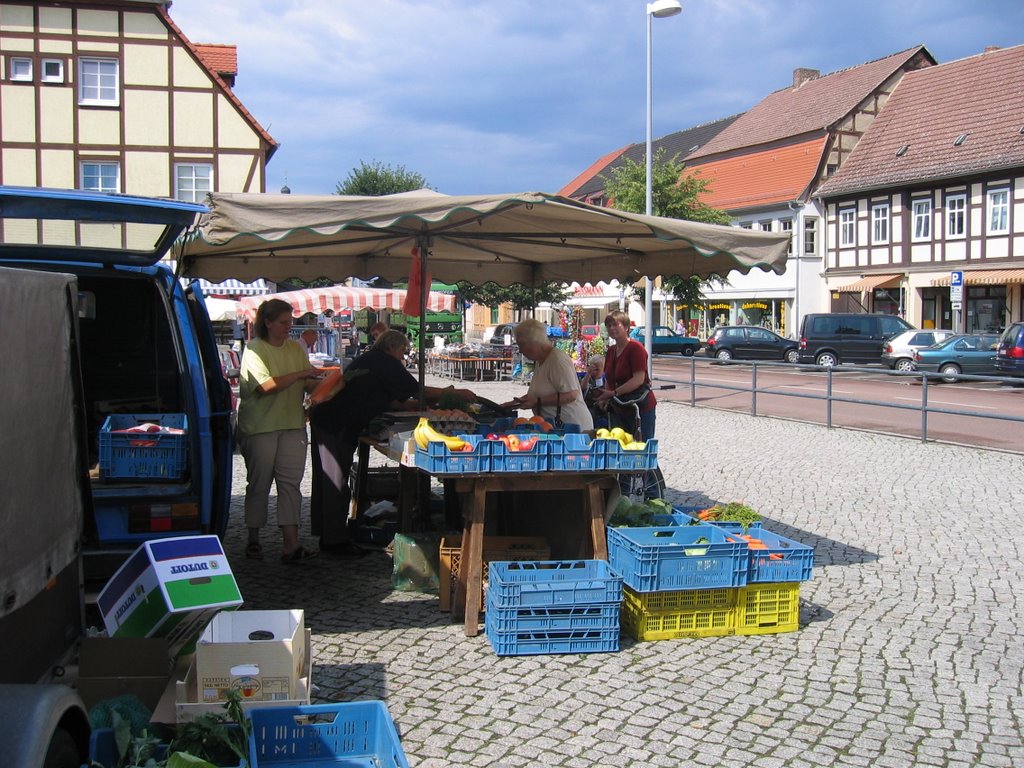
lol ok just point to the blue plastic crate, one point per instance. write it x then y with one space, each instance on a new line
553 643
552 583
503 459
670 558
576 453
103 749
783 560
143 455
438 460
359 733
561 619
618 459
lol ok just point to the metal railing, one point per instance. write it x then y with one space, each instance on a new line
928 380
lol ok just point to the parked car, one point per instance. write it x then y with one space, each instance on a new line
667 341
832 338
750 342
497 334
590 332
972 354
1010 351
898 352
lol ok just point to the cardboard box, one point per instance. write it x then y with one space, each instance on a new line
261 654
117 666
180 700
169 588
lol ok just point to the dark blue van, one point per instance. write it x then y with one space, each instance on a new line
147 353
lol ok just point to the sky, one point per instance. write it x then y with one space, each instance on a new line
501 96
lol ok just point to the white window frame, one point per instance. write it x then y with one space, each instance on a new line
23 76
998 209
786 226
922 219
765 225
55 78
847 227
810 235
95 169
97 86
880 223
192 191
956 216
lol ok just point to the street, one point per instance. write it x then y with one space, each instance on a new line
799 392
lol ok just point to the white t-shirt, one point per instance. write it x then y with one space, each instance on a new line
557 374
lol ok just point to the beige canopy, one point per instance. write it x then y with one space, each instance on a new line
526 238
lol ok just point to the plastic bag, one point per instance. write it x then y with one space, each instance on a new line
416 562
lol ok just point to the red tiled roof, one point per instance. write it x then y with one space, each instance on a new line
981 97
814 106
221 58
272 145
593 170
769 176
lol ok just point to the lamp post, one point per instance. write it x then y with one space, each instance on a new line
659 9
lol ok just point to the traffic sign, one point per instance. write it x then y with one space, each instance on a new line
956 278
956 306
956 293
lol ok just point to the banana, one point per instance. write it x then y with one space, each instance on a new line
425 433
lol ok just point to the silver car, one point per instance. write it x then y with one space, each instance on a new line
898 352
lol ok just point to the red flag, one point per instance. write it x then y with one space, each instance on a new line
411 305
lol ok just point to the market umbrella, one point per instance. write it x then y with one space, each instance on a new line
221 310
528 238
339 297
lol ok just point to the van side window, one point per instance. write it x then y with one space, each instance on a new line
891 325
857 326
826 326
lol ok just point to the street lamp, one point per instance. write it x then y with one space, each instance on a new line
659 9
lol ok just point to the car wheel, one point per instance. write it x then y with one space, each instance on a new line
827 359
792 356
687 351
949 372
904 364
723 354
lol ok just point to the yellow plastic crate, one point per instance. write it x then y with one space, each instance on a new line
679 614
768 609
495 548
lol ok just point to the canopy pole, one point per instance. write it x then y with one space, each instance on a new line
423 242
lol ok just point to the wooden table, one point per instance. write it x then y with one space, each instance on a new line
469 586
413 488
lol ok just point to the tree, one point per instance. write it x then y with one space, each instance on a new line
379 179
675 194
519 296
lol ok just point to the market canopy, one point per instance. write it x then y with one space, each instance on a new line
528 238
339 297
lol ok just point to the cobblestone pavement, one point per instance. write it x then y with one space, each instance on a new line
909 650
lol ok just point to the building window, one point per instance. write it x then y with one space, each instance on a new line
786 225
765 226
880 224
998 211
746 225
956 215
848 226
98 82
810 235
53 71
192 181
20 70
101 177
922 219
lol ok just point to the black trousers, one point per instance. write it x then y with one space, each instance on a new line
331 495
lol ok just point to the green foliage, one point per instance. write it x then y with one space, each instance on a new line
519 296
377 178
675 193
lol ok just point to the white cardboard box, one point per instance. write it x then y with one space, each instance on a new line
261 654
169 588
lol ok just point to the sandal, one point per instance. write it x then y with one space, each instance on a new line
298 555
253 551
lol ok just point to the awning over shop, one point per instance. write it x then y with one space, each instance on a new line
987 277
231 287
338 297
869 283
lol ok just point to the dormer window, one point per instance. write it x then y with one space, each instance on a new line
959 140
902 150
